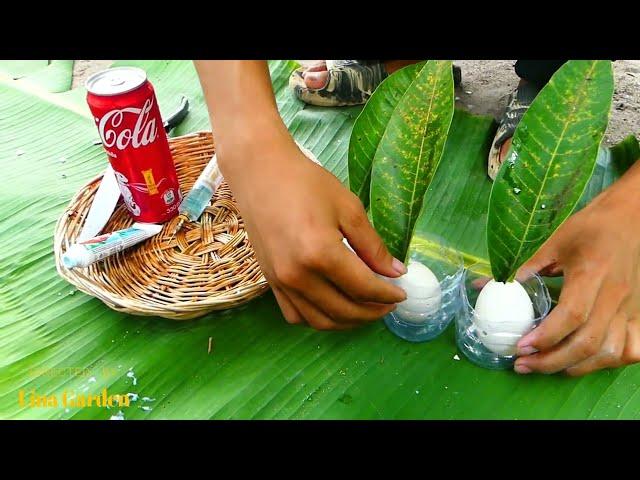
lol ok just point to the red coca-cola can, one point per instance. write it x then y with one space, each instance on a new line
125 109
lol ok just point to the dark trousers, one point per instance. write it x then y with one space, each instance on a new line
538 72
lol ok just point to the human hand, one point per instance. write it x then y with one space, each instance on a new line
596 323
296 214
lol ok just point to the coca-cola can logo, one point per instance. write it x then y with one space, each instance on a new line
144 132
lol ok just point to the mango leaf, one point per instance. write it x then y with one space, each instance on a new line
552 157
409 153
371 125
55 340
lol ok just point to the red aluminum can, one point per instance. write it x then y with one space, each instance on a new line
125 109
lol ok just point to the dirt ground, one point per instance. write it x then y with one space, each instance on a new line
486 85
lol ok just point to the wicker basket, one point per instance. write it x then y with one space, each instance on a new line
209 265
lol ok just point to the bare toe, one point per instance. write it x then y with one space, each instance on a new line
316 80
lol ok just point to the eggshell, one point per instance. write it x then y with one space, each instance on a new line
503 314
424 294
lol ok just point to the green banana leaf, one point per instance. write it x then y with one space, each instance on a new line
288 104
20 68
549 164
610 165
49 75
326 133
456 201
54 339
409 153
371 125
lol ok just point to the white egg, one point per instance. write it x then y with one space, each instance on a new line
503 314
422 288
424 294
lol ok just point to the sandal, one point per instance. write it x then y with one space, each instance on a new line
518 103
349 82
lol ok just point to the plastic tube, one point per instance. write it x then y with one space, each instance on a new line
90 251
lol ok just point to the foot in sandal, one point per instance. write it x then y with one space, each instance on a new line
335 83
518 103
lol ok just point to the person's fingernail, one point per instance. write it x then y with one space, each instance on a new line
398 266
527 350
522 369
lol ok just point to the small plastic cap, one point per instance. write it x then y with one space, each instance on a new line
71 257
68 261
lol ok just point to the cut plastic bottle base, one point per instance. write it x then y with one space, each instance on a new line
448 266
467 336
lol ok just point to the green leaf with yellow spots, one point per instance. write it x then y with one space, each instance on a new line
371 125
549 164
409 153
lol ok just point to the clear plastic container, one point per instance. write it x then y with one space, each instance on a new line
420 326
468 338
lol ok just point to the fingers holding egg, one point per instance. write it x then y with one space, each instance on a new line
424 294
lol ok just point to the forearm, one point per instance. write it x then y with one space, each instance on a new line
242 109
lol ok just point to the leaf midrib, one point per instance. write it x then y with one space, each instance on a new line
419 163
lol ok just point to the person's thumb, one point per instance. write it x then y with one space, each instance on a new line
368 245
543 261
